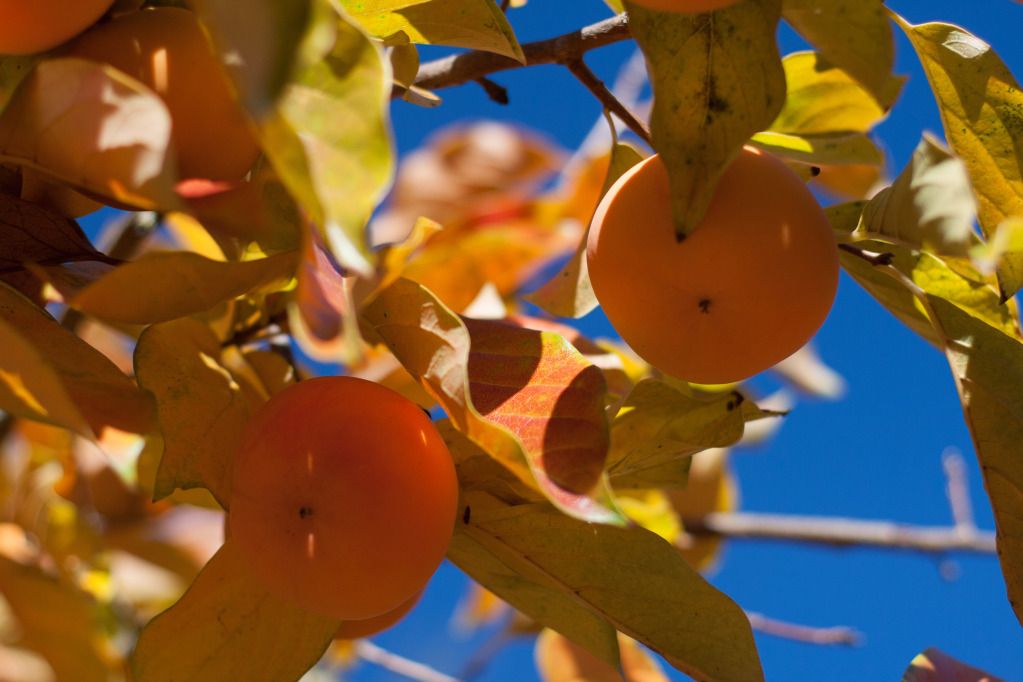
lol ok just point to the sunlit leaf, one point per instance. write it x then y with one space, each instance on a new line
225 618
805 370
711 488
48 373
201 408
437 348
558 659
822 98
651 509
821 149
329 139
854 36
476 24
93 128
930 204
711 92
979 101
631 578
935 666
162 286
56 620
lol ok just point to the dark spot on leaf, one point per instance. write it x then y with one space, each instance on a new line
815 171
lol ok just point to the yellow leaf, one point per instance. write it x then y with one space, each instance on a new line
821 149
95 129
711 488
474 24
979 101
558 659
711 91
201 407
228 627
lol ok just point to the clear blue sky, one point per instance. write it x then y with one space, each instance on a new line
875 454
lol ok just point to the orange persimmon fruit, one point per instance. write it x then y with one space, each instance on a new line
747 288
31 26
165 49
684 6
357 629
344 497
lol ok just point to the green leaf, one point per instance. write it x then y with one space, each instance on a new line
930 205
202 409
717 79
826 149
48 374
330 139
630 577
162 286
659 428
536 391
569 293
473 24
258 44
980 103
854 36
228 627
822 98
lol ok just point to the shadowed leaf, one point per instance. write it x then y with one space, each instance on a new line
935 666
717 79
228 627
34 234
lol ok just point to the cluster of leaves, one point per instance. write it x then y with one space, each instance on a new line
573 456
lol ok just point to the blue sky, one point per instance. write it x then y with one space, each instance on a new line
874 454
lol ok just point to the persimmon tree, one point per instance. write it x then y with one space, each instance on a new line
266 230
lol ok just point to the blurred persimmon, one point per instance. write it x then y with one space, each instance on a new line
684 6
165 49
40 25
344 497
357 629
747 288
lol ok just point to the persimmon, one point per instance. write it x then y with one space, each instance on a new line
747 288
684 6
344 497
165 49
357 629
35 26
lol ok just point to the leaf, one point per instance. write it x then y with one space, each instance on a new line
630 577
980 103
433 344
988 367
821 149
49 374
33 233
558 659
13 70
711 92
935 666
93 128
930 205
854 36
162 286
472 24
805 370
228 627
821 98
201 407
712 487
329 139
569 293
659 428
56 620
258 43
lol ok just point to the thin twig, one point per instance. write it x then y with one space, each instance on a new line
607 98
399 665
838 635
958 491
841 532
874 258
475 64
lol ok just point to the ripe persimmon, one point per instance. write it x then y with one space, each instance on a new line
357 629
747 288
684 6
344 497
165 48
35 26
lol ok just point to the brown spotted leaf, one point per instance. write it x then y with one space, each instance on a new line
228 627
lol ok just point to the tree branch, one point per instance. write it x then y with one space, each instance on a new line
841 532
596 86
399 665
838 635
475 64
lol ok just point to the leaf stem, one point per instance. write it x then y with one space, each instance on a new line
596 86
